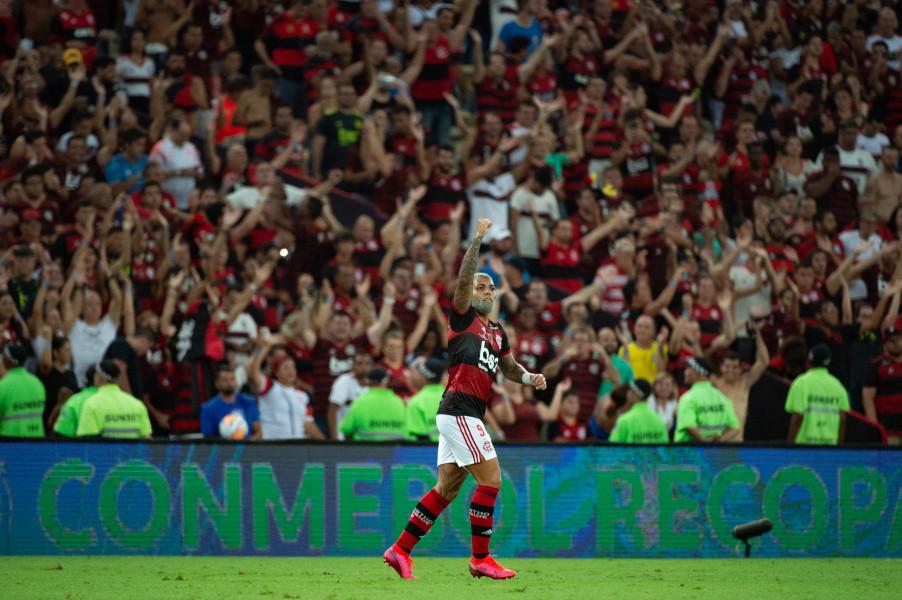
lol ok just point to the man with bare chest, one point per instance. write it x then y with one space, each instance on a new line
735 385
885 186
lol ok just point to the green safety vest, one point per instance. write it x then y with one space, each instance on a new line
112 413
67 423
706 408
820 398
421 411
640 425
377 415
22 399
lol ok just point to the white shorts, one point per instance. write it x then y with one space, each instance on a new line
463 440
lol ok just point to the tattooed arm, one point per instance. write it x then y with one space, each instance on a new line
463 294
514 371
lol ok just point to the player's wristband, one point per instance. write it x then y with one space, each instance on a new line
526 378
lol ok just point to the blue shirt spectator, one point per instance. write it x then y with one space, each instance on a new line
513 29
125 171
227 402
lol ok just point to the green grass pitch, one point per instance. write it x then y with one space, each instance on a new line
160 578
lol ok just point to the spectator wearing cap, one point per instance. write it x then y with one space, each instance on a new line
638 423
111 412
704 414
882 392
377 415
346 388
818 403
285 411
22 395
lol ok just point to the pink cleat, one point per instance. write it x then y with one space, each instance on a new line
489 567
400 561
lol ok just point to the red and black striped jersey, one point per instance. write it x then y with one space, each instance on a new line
499 95
532 350
607 136
445 191
586 374
475 349
886 376
368 256
329 361
576 73
435 78
709 321
286 40
638 169
407 310
559 267
892 99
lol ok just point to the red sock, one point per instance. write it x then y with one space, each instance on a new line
481 510
424 515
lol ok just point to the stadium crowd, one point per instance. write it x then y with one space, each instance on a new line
260 206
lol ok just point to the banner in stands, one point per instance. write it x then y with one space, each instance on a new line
577 501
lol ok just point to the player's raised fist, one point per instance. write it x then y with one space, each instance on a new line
482 226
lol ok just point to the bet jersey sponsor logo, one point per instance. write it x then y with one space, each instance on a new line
487 361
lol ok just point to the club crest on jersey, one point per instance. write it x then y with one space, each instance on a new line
497 340
487 361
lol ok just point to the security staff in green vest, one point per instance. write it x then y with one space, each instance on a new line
378 414
22 396
817 402
110 412
704 414
423 406
639 424
67 423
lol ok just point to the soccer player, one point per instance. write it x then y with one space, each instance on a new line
477 348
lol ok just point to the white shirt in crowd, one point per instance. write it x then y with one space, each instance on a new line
666 412
283 411
89 343
490 199
850 240
136 77
174 158
744 280
874 144
345 390
547 209
858 165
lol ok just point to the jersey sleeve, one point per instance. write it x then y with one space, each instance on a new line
795 400
460 321
89 423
